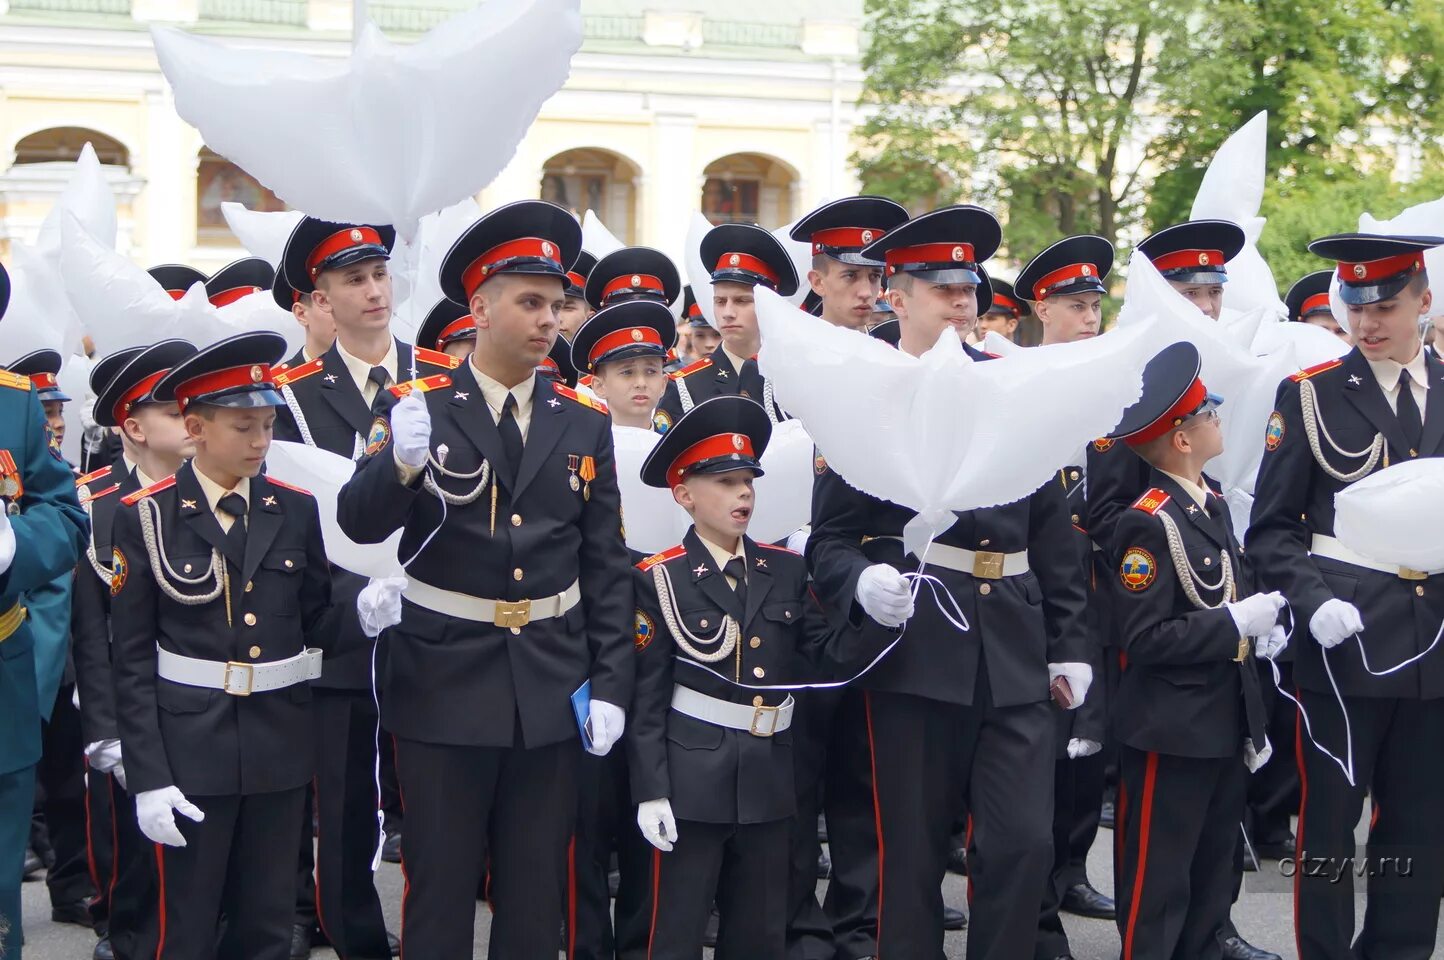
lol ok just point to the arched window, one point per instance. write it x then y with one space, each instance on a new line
590 178
219 180
748 188
63 145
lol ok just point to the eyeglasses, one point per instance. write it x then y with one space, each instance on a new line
1207 416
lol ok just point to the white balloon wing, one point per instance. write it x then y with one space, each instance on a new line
416 266
89 198
801 254
262 233
651 519
698 275
324 473
1393 515
596 238
1420 220
783 502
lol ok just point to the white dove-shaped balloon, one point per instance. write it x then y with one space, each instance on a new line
801 254
1393 515
394 131
596 238
263 233
416 265
941 433
323 473
699 275
651 519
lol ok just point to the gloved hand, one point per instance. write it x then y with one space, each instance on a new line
1256 615
379 604
1269 647
797 540
1335 622
411 431
884 595
608 722
104 755
657 823
1082 748
155 813
7 540
1079 677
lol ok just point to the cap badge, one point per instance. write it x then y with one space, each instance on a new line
355 235
1203 259
547 248
257 374
1360 270
737 441
1087 270
957 253
636 280
867 236
733 260
636 334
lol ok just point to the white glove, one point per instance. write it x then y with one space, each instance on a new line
379 604
7 541
1256 615
1079 677
411 431
1082 748
608 721
1335 622
1269 647
657 823
104 755
797 541
885 595
155 812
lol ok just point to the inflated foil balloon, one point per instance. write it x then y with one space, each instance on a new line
416 265
911 429
801 254
262 233
596 238
783 501
1420 220
651 519
1393 515
699 275
323 473
387 140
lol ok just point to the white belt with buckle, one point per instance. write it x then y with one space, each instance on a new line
758 721
238 679
983 564
1326 546
503 613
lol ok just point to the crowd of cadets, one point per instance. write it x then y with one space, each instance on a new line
567 725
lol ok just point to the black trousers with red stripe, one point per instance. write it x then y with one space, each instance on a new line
469 809
1176 830
1396 746
1005 755
122 866
744 868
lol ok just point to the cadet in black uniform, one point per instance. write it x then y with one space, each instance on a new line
1189 714
944 700
448 328
703 337
220 601
575 309
711 761
239 278
632 273
846 285
504 486
1308 302
1334 424
176 278
742 257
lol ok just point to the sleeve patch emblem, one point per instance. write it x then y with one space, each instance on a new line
644 630
1138 569
119 569
661 421
1274 433
819 464
1102 444
378 436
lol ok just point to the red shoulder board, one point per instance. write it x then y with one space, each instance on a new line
93 476
280 367
436 358
991 356
692 368
773 546
585 381
656 558
562 390
420 386
86 497
296 374
1316 369
1151 502
289 486
154 488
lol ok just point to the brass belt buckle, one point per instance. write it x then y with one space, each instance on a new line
988 565
757 714
1409 573
242 669
513 615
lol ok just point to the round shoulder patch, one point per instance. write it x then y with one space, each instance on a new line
661 421
119 569
1274 432
1102 444
1138 569
643 630
819 464
378 436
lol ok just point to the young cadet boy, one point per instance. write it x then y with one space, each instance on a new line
847 284
220 600
624 347
711 759
43 368
1189 713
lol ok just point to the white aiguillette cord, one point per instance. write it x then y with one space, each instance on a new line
955 616
1346 766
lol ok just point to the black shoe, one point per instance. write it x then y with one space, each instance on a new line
954 919
1237 948
33 864
824 866
709 936
300 941
1285 849
1105 816
103 950
76 912
1083 900
391 848
393 943
958 861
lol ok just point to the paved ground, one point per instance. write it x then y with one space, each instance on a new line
1263 915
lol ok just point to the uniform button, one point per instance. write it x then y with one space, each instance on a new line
1208 561
250 586
1072 474
985 589
1074 518
984 543
516 574
254 652
516 519
757 701
516 631
290 564
787 614
758 672
1419 591
188 568
702 624
755 642
250 619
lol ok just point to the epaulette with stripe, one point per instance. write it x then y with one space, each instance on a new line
289 486
1151 502
669 554
1316 369
88 497
691 368
420 386
436 358
562 390
94 475
295 374
14 381
779 548
134 498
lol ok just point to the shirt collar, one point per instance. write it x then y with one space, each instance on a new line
735 360
495 393
1197 493
142 479
360 370
214 491
1387 371
720 556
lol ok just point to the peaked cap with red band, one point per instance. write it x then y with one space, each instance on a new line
1172 392
557 364
42 367
109 365
632 328
445 322
235 372
1309 295
238 279
176 278
633 273
944 246
316 246
132 384
1195 251
1006 301
1072 265
842 228
746 253
1374 267
716 436
531 237
578 273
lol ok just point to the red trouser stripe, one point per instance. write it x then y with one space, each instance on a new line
160 874
1303 799
572 897
1145 822
656 898
876 813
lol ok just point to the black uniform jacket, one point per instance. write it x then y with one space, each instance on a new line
1180 691
711 773
466 682
1090 721
711 377
1294 500
209 742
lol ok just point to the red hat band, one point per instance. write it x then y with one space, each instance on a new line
1008 304
249 375
747 262
131 397
1319 301
844 238
457 330
550 366
1372 271
929 253
1191 260
43 381
485 265
576 279
720 445
176 294
634 283
695 310
1174 416
232 295
617 339
1064 275
339 241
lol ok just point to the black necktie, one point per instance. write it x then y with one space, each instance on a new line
382 403
736 568
1407 410
235 505
510 434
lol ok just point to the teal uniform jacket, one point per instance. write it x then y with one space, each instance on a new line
50 529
